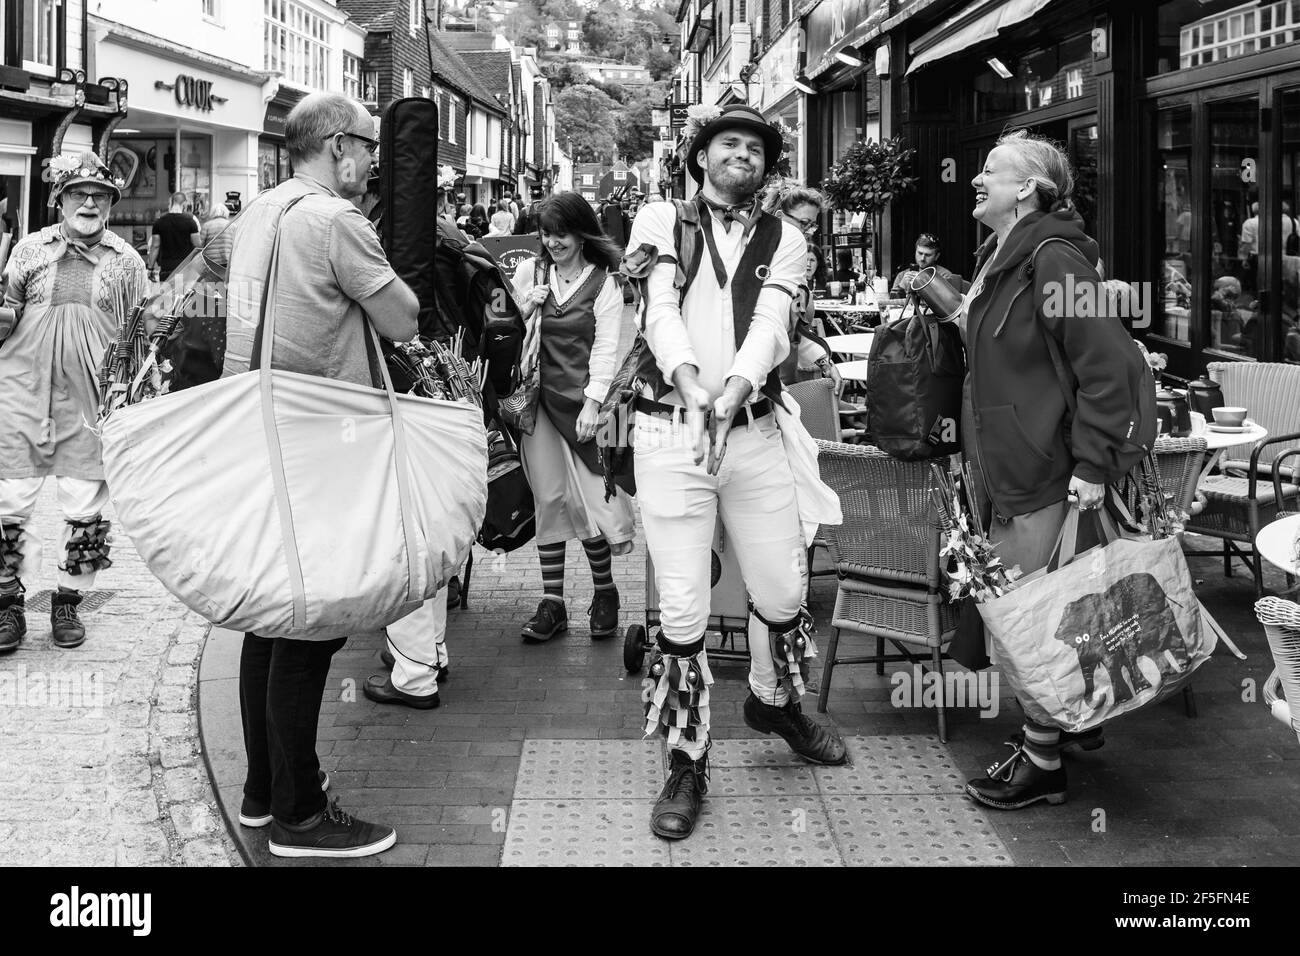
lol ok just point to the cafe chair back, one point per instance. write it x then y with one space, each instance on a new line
886 555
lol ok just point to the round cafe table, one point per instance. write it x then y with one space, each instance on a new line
858 343
856 370
1277 542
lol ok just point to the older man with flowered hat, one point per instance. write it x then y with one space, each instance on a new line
62 310
716 323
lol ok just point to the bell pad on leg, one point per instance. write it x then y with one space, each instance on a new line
88 547
11 548
678 706
793 649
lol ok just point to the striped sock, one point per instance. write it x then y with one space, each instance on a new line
1043 745
602 563
552 559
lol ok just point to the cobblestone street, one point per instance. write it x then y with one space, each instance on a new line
99 756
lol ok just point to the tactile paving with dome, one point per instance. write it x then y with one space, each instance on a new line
899 802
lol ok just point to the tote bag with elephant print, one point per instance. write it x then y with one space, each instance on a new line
1101 633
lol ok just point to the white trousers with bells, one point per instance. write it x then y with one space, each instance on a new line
418 643
753 493
79 499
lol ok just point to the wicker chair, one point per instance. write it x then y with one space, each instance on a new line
886 554
1243 498
1180 461
1281 620
817 411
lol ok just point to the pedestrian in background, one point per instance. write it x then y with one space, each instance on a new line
57 325
477 226
175 235
332 275
574 308
503 220
801 206
216 224
1032 457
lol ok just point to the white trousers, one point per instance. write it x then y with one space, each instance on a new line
79 499
754 494
418 643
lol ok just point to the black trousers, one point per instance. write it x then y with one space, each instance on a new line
281 682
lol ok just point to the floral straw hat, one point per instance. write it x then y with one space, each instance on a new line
63 171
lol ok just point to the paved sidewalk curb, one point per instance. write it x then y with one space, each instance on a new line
230 814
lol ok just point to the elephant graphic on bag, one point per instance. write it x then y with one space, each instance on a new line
1117 628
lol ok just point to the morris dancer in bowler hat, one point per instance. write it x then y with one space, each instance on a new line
711 366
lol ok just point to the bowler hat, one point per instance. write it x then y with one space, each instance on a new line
736 116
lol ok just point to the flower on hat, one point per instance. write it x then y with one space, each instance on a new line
698 116
59 169
446 177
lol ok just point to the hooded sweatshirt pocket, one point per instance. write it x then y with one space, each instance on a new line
1013 461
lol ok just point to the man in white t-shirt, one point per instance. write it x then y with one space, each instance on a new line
707 444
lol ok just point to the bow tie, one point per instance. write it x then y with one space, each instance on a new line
742 213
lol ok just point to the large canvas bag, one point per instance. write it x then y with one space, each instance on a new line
1105 632
290 505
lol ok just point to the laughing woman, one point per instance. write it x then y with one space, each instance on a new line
574 308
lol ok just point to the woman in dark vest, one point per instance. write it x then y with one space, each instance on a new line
574 308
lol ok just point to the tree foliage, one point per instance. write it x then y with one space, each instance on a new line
585 123
869 175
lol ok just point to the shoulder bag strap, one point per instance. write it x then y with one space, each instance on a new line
1053 347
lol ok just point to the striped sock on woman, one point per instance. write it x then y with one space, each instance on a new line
552 560
602 563
1043 745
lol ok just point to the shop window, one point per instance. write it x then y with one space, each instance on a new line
40 34
1040 78
1173 190
1290 246
370 88
1234 307
1196 32
408 83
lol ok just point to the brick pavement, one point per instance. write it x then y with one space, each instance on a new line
1222 788
107 770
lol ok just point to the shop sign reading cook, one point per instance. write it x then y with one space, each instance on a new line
192 91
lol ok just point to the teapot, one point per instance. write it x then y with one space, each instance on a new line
1205 395
1174 413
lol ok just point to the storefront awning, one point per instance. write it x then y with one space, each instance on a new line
701 31
950 38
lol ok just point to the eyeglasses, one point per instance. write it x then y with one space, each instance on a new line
79 196
372 145
807 226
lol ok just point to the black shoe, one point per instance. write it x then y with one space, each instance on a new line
331 833
1084 740
453 593
387 659
551 618
604 613
805 737
1017 783
380 689
254 813
13 623
66 629
674 813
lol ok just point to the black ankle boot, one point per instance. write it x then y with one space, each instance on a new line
13 621
804 735
66 629
674 813
604 613
1018 782
551 618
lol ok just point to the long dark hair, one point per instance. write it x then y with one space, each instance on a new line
478 212
568 214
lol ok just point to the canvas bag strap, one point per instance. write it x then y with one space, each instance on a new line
266 324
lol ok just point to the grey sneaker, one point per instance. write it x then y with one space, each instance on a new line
331 833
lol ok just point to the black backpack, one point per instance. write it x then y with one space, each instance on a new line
509 522
914 390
